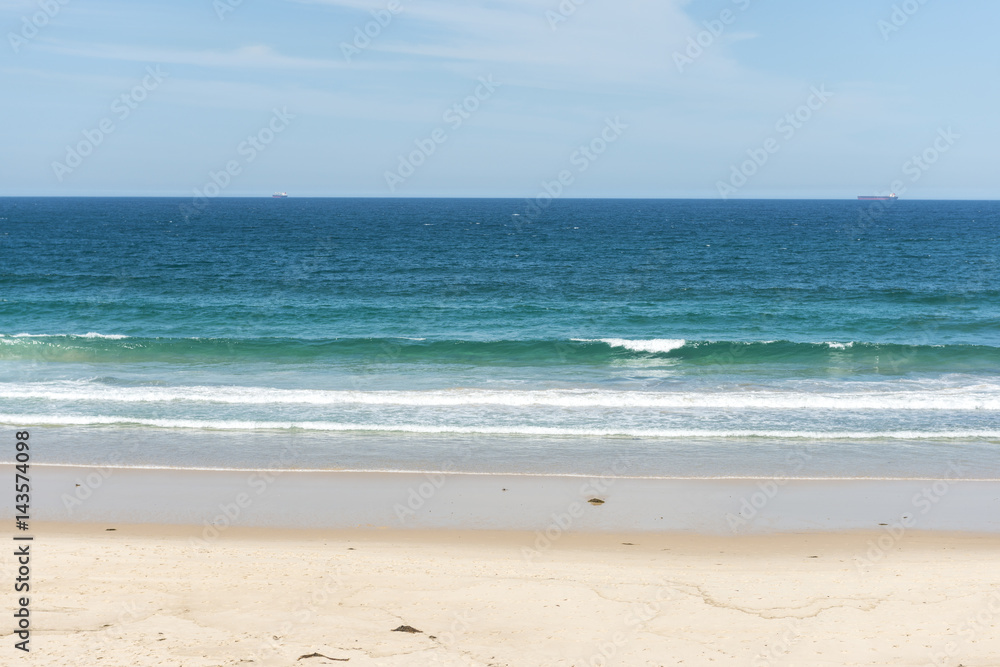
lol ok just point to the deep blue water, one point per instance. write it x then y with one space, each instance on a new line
696 337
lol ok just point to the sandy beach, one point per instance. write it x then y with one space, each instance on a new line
195 568
144 595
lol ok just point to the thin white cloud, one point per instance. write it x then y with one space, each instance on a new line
254 56
599 42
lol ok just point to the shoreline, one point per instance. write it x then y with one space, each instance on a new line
213 499
474 473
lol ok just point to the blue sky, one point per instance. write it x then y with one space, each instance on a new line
245 98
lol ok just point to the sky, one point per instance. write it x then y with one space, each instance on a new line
500 98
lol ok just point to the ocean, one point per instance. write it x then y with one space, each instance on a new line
678 338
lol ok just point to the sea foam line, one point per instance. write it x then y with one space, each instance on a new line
246 425
92 334
479 473
982 397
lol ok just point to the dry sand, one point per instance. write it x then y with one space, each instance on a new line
148 595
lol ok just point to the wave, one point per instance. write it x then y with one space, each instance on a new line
859 355
979 397
656 345
92 334
247 425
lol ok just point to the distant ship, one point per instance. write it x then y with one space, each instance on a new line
282 195
892 197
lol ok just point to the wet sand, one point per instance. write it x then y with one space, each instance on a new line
217 500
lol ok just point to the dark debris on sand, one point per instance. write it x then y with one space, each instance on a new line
407 628
320 655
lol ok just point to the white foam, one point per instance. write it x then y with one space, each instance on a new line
655 345
94 334
241 425
480 473
980 397
91 334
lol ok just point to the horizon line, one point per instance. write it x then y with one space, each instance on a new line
481 197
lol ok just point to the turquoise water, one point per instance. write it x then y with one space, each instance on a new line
693 338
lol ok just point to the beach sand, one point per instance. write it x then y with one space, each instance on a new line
149 595
210 568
